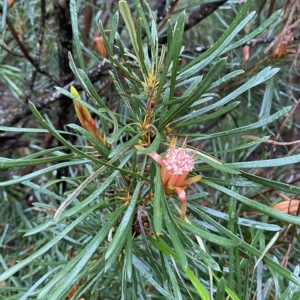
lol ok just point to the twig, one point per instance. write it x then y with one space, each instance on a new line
168 13
287 155
201 13
4 47
284 123
252 137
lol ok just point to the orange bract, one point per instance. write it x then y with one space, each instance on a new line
85 118
291 207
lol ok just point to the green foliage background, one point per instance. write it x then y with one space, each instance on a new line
105 228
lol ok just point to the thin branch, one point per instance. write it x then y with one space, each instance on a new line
25 52
199 14
11 117
252 137
19 42
5 48
283 124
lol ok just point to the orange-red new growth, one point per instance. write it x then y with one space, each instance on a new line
100 46
85 118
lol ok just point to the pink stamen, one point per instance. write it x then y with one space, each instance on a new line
178 162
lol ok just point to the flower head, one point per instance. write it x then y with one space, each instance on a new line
175 167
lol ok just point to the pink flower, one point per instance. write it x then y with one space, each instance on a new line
175 167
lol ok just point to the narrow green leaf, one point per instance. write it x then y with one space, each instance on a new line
22 162
72 269
23 263
145 22
175 49
267 100
274 17
29 12
96 143
124 146
213 162
197 93
40 228
269 262
240 221
76 38
147 276
243 146
226 78
281 113
172 229
255 205
4 13
126 14
124 228
220 294
128 257
113 30
42 171
197 230
154 145
57 135
89 88
197 284
192 117
237 25
292 292
231 226
138 31
271 183
162 246
267 163
173 279
20 129
262 76
172 54
157 198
